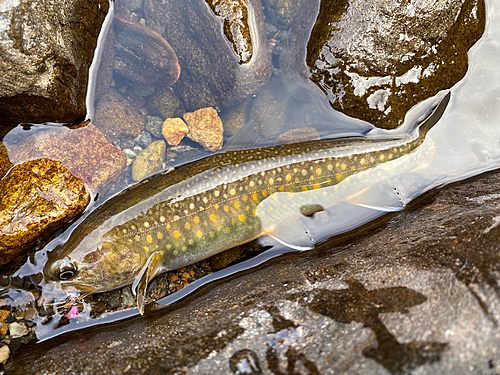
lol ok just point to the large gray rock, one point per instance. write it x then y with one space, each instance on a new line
374 60
222 48
46 48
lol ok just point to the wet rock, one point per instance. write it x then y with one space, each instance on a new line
4 328
84 151
282 12
129 153
144 139
37 197
375 61
298 135
149 160
143 56
205 127
269 111
4 354
5 163
214 72
166 104
115 116
17 329
154 125
174 129
234 118
46 57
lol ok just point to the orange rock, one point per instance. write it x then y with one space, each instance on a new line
173 130
5 163
84 151
36 198
205 127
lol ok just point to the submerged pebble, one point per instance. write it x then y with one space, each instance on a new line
116 117
149 160
174 130
144 139
154 126
166 104
18 329
4 354
205 128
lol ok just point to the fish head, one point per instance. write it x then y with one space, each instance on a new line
111 263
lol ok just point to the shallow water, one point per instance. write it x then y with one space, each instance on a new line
464 143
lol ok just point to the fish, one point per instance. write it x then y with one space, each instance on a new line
221 201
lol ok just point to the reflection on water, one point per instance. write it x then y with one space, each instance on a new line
465 142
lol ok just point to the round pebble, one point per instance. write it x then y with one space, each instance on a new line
154 126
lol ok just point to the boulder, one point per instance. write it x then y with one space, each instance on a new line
375 60
37 197
221 46
47 47
84 151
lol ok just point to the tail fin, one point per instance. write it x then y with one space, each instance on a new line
434 116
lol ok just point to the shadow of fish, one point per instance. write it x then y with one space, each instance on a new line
213 204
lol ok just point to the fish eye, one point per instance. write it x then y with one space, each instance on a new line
64 269
67 274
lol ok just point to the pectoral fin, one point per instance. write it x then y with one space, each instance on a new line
147 273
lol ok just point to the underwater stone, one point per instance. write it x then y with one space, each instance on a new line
299 135
269 111
47 47
166 104
205 128
375 60
282 11
144 139
174 129
18 330
149 160
4 354
84 151
222 48
37 197
143 56
234 118
154 126
115 116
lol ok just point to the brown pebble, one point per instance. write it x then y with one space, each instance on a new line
4 328
173 130
174 279
205 128
3 315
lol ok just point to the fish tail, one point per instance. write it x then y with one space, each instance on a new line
434 117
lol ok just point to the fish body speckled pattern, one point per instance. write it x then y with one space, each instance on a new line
208 206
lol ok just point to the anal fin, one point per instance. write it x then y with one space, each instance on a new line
147 273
